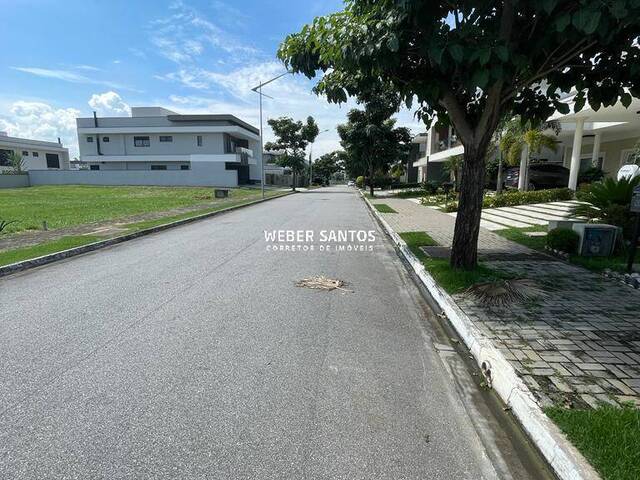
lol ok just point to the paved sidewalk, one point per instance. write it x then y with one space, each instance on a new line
579 345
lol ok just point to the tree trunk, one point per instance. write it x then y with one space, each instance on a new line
293 185
499 179
464 251
371 178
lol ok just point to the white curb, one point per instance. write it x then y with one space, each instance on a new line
564 458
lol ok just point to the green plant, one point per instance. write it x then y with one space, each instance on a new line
591 174
360 182
384 208
608 202
5 223
563 239
514 197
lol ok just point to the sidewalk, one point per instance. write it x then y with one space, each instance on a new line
579 345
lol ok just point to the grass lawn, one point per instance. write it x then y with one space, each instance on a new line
69 205
453 281
608 437
597 264
64 243
384 208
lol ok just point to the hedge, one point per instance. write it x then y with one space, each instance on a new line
510 199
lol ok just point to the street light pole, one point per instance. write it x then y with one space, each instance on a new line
258 90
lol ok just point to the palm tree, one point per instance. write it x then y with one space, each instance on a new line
453 165
519 141
16 161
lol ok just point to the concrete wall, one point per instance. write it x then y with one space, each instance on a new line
14 181
201 174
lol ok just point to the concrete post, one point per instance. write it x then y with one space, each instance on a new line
524 166
576 152
596 149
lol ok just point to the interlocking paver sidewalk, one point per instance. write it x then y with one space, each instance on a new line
580 344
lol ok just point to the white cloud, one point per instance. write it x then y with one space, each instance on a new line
109 103
67 76
41 121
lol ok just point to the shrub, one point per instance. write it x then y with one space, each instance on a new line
563 239
360 182
608 202
592 174
512 198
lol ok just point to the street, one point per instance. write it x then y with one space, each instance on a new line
192 354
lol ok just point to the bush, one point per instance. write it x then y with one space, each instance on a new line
592 174
563 239
360 182
512 198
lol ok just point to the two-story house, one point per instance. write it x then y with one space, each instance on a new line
36 154
154 138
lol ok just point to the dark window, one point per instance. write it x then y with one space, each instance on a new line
52 160
4 158
166 138
141 142
199 140
105 139
184 167
25 153
158 167
94 167
35 154
89 139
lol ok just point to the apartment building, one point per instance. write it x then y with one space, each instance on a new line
154 138
36 154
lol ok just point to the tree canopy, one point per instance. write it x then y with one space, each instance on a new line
470 62
328 164
292 139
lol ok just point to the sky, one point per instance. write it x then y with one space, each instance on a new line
65 59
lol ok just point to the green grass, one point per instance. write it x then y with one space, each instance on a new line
27 253
384 208
68 205
608 437
616 263
452 280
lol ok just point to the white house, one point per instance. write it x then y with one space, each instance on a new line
154 138
36 154
603 138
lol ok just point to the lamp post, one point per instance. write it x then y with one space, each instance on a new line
311 156
258 90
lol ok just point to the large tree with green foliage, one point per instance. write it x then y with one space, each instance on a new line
292 139
471 62
328 165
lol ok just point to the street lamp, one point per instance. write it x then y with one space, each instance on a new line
258 90
311 157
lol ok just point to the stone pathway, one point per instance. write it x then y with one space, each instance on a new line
578 345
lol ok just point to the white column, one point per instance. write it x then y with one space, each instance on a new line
575 154
596 149
524 166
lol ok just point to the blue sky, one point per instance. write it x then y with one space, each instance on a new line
63 59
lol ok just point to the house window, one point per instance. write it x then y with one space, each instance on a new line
52 160
199 140
89 139
141 142
105 139
35 154
184 167
4 158
25 153
94 167
166 138
158 167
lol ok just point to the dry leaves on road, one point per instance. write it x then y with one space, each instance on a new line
321 282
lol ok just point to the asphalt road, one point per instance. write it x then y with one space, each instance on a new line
191 354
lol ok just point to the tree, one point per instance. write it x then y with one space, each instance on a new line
327 165
471 62
370 138
453 165
519 141
292 139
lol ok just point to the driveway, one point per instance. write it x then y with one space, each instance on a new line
192 354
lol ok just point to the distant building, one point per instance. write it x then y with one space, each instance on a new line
153 138
36 154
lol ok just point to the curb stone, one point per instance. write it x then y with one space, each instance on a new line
90 247
567 462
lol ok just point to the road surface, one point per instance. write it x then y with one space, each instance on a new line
192 354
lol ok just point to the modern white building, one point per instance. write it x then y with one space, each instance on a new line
604 138
153 138
36 154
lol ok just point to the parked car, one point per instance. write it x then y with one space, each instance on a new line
351 183
540 176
